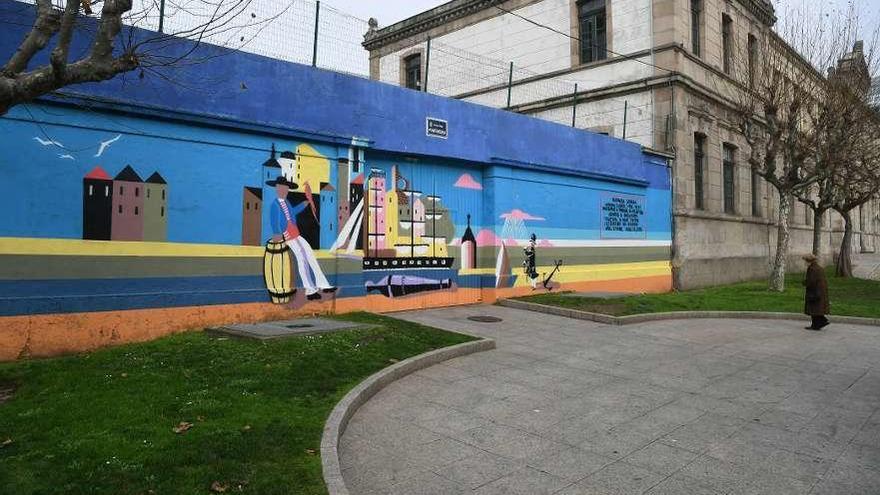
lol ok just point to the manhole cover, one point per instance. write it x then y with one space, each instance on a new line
485 319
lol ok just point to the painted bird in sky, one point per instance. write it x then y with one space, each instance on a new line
48 142
66 157
106 144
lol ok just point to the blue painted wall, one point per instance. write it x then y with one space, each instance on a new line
524 175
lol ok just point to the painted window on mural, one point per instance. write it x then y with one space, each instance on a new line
591 18
729 171
412 70
699 170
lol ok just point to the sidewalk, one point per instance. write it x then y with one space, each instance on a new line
575 407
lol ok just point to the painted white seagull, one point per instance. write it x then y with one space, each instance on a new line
48 142
106 144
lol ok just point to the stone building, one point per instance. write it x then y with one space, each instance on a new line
646 71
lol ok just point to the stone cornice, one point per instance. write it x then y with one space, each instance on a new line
448 12
762 9
457 9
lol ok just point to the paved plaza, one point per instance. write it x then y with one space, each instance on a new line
675 407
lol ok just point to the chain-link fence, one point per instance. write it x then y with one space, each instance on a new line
315 33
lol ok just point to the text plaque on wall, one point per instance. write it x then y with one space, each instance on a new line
623 216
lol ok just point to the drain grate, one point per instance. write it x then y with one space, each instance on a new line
485 319
299 325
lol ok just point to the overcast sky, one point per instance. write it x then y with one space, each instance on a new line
390 11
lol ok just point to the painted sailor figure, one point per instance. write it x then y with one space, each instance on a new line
530 263
283 218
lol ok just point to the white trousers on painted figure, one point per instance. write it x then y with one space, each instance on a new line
305 260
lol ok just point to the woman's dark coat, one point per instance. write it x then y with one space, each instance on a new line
816 297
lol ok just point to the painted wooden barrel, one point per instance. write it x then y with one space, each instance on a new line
278 272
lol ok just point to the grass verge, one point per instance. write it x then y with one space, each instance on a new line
849 297
101 423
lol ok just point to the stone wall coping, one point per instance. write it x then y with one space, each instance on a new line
677 315
338 420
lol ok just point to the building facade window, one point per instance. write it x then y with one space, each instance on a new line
120 209
592 30
136 211
728 177
753 59
696 25
91 190
756 195
699 169
412 71
121 190
726 42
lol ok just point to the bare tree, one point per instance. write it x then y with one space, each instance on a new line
843 133
773 85
112 46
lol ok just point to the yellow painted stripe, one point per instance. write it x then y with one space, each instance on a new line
592 273
79 247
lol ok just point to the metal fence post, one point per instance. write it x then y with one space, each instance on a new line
427 64
625 111
315 43
509 84
162 16
574 106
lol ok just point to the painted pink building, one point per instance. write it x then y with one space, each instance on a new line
376 215
128 206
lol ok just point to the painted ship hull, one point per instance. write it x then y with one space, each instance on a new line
404 285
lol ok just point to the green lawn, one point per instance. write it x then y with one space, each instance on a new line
850 297
101 423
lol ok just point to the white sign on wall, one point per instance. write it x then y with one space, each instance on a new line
437 128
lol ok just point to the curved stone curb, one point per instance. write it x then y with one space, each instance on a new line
345 409
678 315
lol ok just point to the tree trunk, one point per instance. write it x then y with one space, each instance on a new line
777 276
818 216
844 260
863 232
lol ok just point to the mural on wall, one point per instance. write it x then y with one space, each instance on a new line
124 208
393 232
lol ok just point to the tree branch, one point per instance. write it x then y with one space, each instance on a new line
46 25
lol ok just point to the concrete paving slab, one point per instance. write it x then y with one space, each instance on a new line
570 406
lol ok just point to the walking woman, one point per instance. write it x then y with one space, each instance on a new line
816 302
